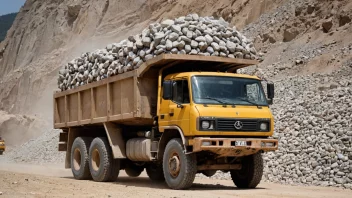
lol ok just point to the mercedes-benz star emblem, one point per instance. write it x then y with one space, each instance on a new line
238 125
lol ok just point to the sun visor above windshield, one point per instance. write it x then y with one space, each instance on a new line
175 63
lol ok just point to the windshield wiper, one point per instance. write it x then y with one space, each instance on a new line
246 100
216 99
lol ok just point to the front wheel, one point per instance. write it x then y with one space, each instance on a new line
250 174
179 169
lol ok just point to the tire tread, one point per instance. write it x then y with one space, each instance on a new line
191 167
255 163
85 143
110 165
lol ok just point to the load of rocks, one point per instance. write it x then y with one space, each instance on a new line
190 34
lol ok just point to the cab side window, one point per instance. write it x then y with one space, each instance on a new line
180 91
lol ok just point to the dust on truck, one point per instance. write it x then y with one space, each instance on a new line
174 116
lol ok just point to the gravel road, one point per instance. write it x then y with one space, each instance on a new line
24 180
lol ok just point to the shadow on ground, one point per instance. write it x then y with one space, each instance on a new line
147 183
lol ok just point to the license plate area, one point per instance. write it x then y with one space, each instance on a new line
240 143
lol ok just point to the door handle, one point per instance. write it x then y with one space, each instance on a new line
171 114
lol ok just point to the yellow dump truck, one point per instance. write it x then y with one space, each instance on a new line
2 146
174 116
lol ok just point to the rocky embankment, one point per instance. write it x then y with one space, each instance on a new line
313 122
40 150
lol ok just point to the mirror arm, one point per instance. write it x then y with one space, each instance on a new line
179 105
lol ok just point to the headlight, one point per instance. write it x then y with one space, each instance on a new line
205 124
264 126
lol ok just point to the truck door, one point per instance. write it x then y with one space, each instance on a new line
179 106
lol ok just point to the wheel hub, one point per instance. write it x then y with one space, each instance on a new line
77 159
174 165
95 159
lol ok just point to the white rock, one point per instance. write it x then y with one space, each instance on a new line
208 39
194 44
200 39
167 23
176 29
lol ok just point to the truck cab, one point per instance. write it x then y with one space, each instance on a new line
215 104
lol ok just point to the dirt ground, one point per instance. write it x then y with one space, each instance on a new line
23 180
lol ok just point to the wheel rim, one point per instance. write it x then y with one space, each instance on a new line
174 165
77 159
95 160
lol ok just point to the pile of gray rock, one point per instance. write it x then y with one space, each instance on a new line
314 127
40 150
189 34
313 123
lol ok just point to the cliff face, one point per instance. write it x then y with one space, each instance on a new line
5 24
48 33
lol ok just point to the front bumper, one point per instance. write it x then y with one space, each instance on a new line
226 147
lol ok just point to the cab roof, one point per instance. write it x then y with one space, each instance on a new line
177 63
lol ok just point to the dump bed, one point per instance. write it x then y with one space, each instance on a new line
131 98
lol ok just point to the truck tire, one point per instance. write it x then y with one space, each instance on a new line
179 169
208 173
133 170
80 158
115 170
155 172
1 152
250 174
103 167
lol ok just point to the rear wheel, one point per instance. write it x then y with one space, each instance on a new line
250 174
101 163
179 169
80 158
155 172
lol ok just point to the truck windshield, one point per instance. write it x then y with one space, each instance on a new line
227 90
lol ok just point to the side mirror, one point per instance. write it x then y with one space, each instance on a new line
271 93
167 90
270 90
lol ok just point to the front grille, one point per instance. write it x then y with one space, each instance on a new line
229 124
